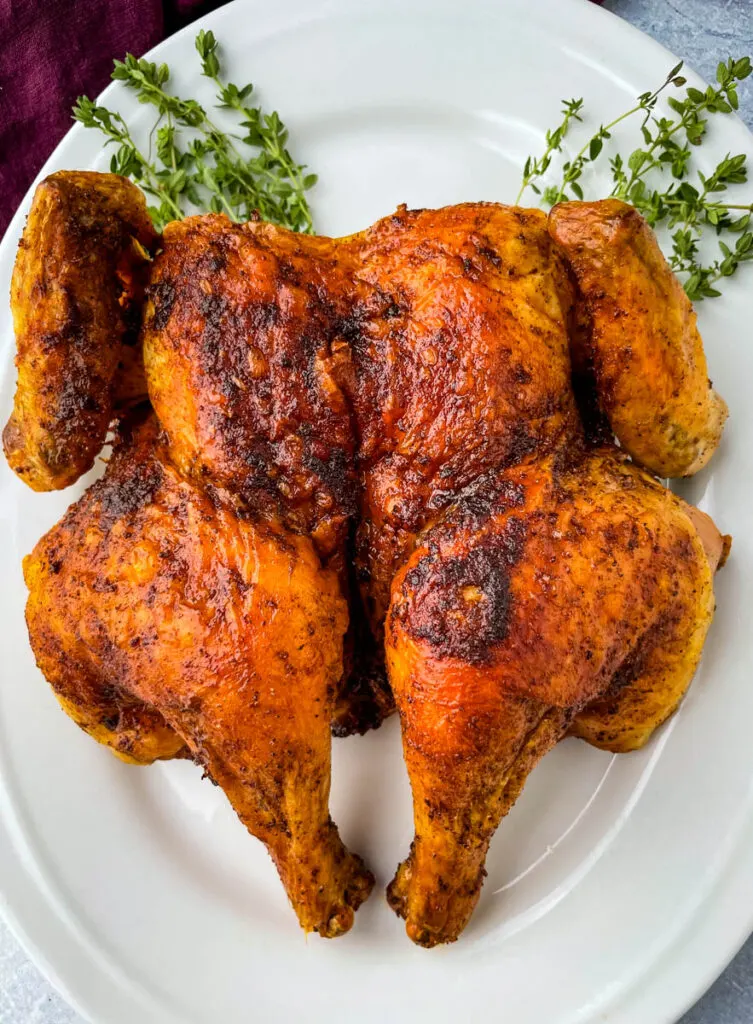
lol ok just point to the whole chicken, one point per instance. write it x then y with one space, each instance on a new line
392 451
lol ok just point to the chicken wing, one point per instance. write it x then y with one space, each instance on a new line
76 298
640 337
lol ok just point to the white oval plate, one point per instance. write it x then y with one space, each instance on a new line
619 887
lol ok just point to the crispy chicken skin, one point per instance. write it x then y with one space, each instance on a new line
436 339
395 445
641 338
463 367
241 358
162 619
246 357
487 679
75 296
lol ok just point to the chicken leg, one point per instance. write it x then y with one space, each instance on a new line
226 633
565 585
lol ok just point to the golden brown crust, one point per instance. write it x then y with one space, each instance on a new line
456 809
644 343
242 350
463 369
75 297
155 600
567 585
437 339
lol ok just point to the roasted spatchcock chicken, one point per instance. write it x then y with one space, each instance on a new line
334 457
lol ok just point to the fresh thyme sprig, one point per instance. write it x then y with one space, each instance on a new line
285 179
573 169
196 164
686 209
536 168
129 161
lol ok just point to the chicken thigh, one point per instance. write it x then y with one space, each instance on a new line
163 619
569 593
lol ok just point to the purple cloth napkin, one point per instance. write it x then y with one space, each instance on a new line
52 51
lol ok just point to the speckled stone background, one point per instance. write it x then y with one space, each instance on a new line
702 32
